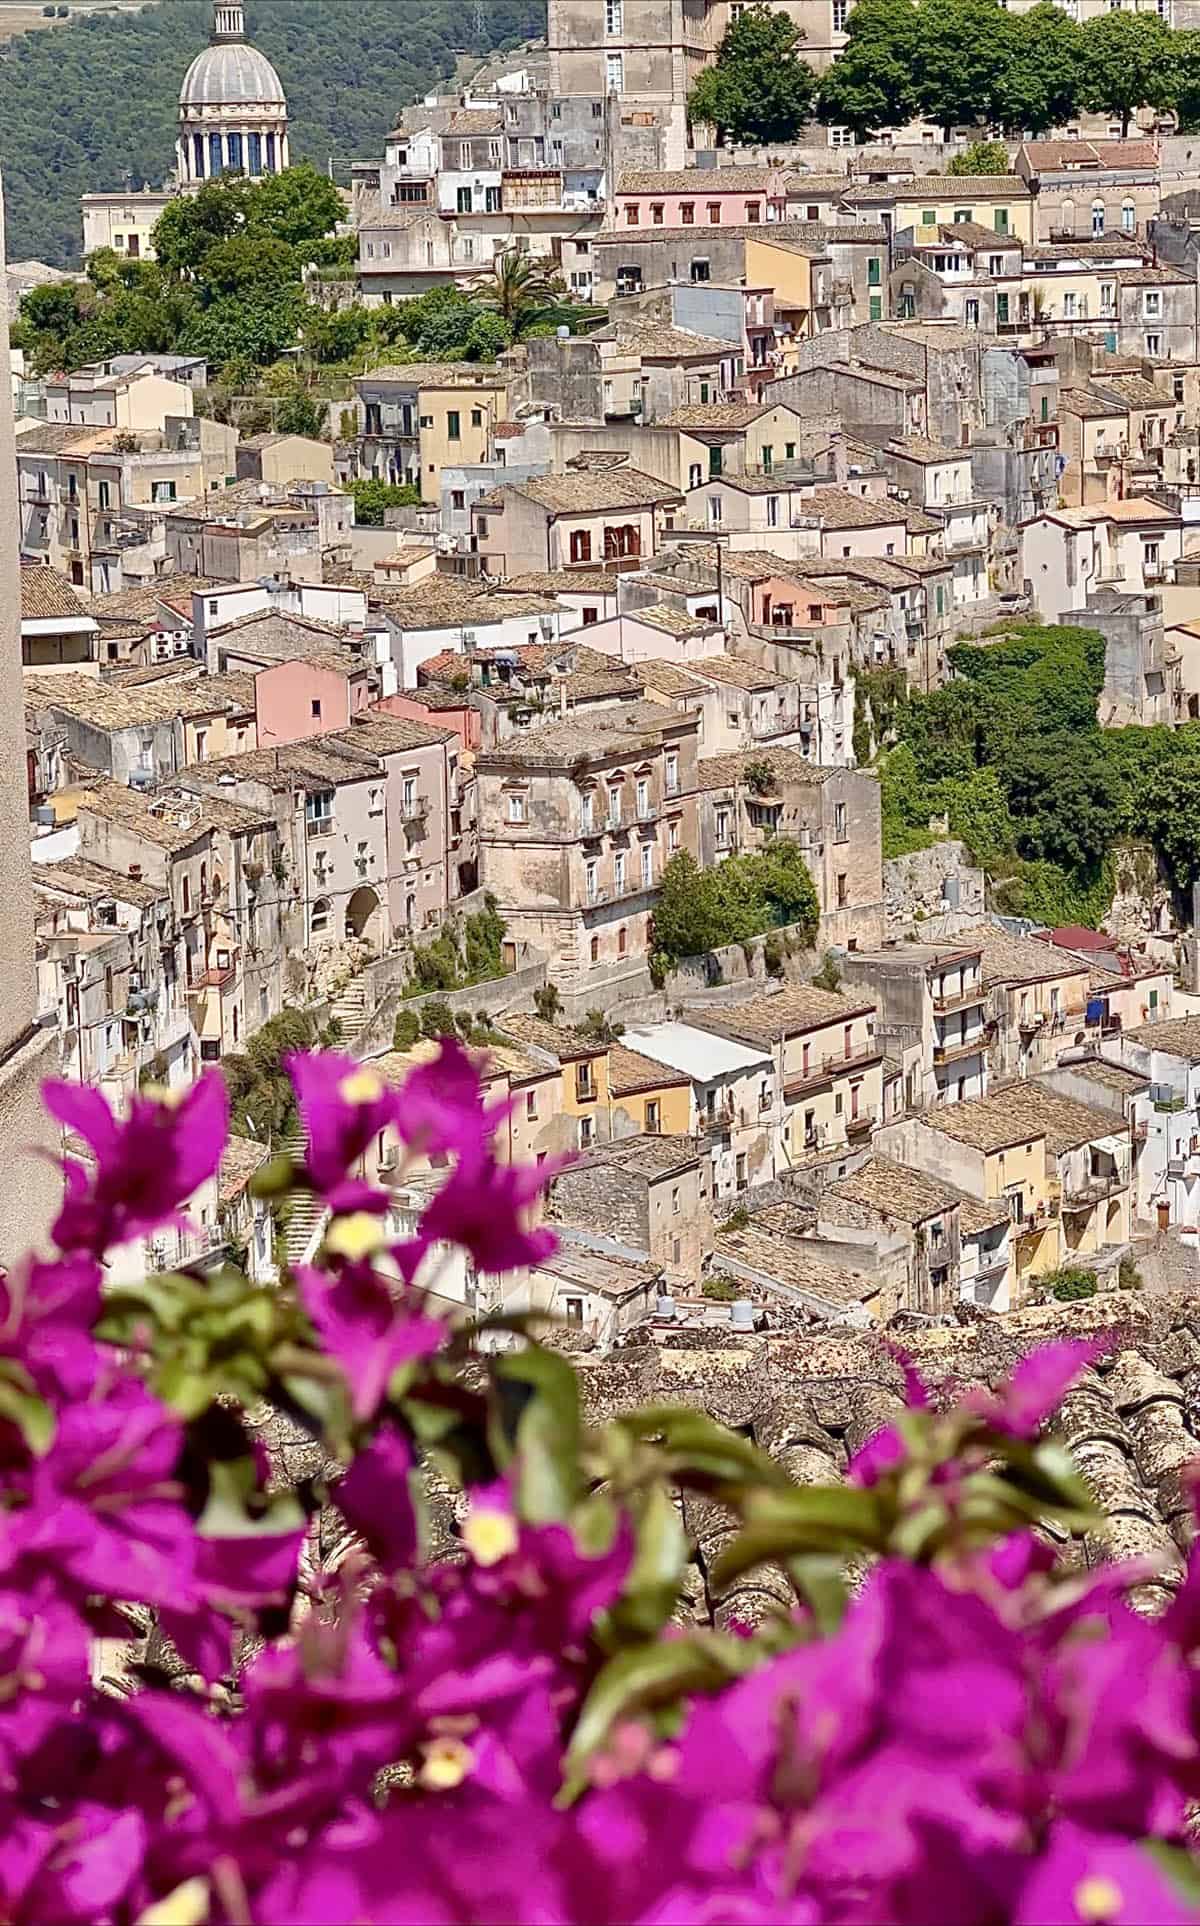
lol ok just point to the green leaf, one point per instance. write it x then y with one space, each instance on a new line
700 1451
652 1675
820 1579
652 1587
273 1179
237 1508
548 1433
21 1406
808 1518
1178 1867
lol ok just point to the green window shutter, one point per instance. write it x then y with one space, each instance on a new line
876 310
873 271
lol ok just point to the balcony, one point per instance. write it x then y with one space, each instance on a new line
715 1123
965 1000
1140 1133
825 1069
861 1126
1083 1196
955 1051
414 810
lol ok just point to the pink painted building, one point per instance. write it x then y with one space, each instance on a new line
699 197
436 707
432 856
309 696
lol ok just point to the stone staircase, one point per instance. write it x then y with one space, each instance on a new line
306 1220
350 1011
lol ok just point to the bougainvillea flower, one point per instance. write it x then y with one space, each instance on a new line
485 1207
370 1325
47 1311
1037 1386
375 1499
344 1105
1094 1879
147 1165
442 1111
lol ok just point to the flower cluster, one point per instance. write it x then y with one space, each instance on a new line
526 1730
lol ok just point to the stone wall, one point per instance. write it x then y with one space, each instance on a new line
498 997
916 899
740 963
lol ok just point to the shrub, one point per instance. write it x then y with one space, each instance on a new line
406 1029
438 1019
548 1003
829 976
722 1288
1071 1284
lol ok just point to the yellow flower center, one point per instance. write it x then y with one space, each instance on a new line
188 1905
489 1536
1098 1899
169 1097
357 1236
361 1086
447 1763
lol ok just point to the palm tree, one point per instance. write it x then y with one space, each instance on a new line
519 288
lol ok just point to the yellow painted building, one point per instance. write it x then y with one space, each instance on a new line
657 1099
457 421
999 201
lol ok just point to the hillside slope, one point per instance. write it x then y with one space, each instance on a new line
95 103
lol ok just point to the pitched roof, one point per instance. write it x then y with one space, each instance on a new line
669 679
889 1189
648 1154
697 180
994 1122
1018 959
1064 1122
629 1073
173 822
556 1039
46 594
838 508
1176 1036
795 1263
1055 156
943 187
630 730
107 705
715 414
593 490
786 765
771 1017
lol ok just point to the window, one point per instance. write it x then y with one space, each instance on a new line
695 476
614 73
928 217
653 1116
874 272
477 417
812 213
1000 220
647 865
722 829
458 499
700 269
1177 387
752 212
971 312
1070 305
657 211
587 1132
632 214
714 510
464 200
963 214
585 1087
839 822
614 806
316 709
591 879
1152 304
1097 219
614 16
619 873
643 796
516 806
675 1201
1153 345
714 213
875 308
1128 217
531 1106
673 837
491 200
1002 310
843 893
672 773
772 511
597 110
574 1310
580 547
319 921
318 812
453 425
104 493
687 213
841 9
595 949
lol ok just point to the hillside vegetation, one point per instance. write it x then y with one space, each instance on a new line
95 103
1010 754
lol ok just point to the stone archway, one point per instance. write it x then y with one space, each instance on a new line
364 917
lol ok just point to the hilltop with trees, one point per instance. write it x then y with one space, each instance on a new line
94 104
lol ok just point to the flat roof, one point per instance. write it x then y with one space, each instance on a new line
699 1054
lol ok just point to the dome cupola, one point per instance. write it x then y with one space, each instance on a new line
232 107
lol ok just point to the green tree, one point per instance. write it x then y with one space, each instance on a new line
488 336
192 225
683 924
1044 85
248 263
243 328
1169 813
518 289
371 498
871 83
336 335
759 89
299 414
1129 61
299 206
981 157
965 55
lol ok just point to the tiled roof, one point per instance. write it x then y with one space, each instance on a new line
795 1263
171 822
319 762
109 706
697 181
1177 1036
889 1189
435 374
736 672
385 735
786 765
554 1038
559 582
1065 1123
916 448
670 620
45 593
662 342
649 1155
587 1269
838 508
94 883
770 1018
629 1073
715 414
1018 959
240 1159
475 120
593 491
669 679
1090 156
634 729
994 1122
1153 277
928 188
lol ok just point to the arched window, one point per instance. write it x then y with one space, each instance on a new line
1068 217
1097 219
1128 217
320 916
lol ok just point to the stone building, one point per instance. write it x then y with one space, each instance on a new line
577 821
644 1194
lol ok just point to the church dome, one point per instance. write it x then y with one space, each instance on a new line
231 74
